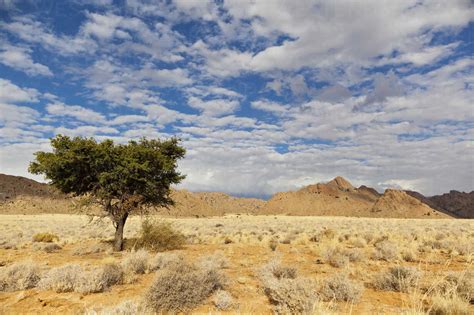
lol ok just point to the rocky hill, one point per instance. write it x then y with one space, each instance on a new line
458 204
337 197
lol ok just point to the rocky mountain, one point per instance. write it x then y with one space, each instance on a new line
337 197
458 204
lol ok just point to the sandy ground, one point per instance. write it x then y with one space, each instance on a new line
440 246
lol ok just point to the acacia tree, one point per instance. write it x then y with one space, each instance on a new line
122 178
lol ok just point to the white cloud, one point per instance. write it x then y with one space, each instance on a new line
269 106
216 107
10 92
75 111
20 59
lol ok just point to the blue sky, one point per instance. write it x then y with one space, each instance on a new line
266 95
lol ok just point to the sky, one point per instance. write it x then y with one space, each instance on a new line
266 96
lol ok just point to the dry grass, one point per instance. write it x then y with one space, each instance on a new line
440 249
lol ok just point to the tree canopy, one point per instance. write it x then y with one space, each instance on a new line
121 177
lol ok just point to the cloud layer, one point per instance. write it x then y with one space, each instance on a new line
266 95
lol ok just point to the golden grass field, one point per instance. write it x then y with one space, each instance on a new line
333 265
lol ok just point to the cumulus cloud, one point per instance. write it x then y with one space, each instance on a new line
214 107
10 92
20 59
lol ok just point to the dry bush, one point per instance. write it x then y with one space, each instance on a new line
288 293
399 278
338 257
112 274
358 242
340 288
46 247
182 287
448 305
273 243
136 262
50 248
61 279
459 284
159 236
19 276
164 260
45 237
335 257
216 260
386 250
223 300
73 278
354 255
410 255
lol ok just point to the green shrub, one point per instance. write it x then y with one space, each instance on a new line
159 236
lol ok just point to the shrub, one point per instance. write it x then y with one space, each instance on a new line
164 260
159 236
288 293
273 244
458 283
335 257
50 248
45 237
182 287
19 276
223 300
358 242
448 305
112 274
136 262
399 279
61 279
90 282
216 260
73 277
340 288
409 255
386 250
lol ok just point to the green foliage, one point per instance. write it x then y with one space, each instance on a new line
159 236
130 174
123 178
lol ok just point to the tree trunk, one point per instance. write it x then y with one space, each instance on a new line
118 241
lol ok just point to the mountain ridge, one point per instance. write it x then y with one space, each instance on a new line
337 197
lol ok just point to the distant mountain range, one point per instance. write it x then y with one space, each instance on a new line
335 198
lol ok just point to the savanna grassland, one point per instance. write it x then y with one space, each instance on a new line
237 264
